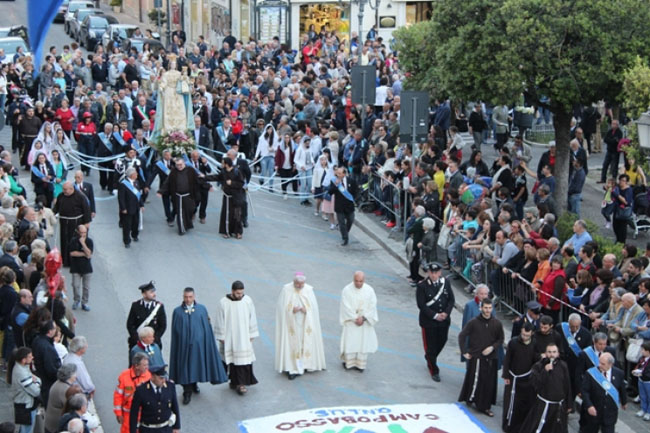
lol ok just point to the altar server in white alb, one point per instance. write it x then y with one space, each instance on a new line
298 337
235 330
358 317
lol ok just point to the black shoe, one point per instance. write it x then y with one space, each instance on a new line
196 389
135 239
187 398
435 377
170 223
127 245
344 243
292 376
245 224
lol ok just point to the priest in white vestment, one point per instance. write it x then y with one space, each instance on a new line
235 329
358 316
298 337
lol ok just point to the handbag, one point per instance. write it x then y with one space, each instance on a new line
633 353
22 415
443 237
623 213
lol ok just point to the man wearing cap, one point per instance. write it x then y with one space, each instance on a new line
435 299
146 312
298 337
518 392
127 383
131 201
533 311
193 356
73 209
155 407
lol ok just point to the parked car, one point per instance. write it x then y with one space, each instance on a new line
73 6
79 15
17 31
60 15
117 33
10 46
91 30
137 43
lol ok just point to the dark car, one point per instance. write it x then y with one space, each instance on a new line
73 6
15 31
91 30
79 15
60 14
154 45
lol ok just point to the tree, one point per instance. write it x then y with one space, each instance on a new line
569 51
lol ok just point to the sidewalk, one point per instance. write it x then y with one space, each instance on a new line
371 226
124 18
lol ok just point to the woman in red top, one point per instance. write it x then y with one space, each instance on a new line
65 117
555 285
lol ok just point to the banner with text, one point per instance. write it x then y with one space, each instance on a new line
403 418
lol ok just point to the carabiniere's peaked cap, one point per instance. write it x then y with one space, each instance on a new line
147 286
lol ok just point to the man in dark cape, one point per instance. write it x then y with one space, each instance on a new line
518 394
73 208
485 334
193 355
182 185
552 385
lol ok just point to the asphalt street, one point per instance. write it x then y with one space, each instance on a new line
283 238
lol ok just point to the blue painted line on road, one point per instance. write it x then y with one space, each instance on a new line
473 418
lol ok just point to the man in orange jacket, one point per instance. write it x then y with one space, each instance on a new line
126 384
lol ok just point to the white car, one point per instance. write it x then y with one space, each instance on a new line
10 47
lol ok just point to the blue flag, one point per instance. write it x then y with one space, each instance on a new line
40 14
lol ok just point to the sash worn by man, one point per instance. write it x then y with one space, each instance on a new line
235 329
603 390
575 338
298 337
358 316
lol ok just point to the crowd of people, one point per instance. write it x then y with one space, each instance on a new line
284 122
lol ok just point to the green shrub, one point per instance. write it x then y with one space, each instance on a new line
564 226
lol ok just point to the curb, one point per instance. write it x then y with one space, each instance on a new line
364 224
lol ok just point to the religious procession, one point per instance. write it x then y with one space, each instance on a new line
217 165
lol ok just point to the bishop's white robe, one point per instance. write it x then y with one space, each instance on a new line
298 336
358 341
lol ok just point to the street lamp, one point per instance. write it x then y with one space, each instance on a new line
643 125
362 5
